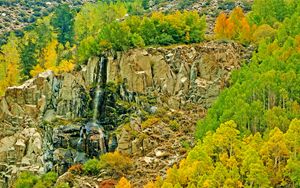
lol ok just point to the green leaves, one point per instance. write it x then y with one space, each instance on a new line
63 22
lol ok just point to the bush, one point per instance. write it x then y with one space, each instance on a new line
174 125
116 161
29 180
49 179
92 167
76 169
62 185
26 180
123 183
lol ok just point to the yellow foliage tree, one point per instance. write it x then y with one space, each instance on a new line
49 59
36 70
66 66
123 183
10 62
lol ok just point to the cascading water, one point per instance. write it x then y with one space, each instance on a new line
92 133
100 95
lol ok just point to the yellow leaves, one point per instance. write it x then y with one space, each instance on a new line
49 59
292 137
36 70
150 185
262 32
158 16
123 183
66 66
116 161
207 183
235 162
10 62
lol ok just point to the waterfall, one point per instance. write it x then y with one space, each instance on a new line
99 101
94 127
96 103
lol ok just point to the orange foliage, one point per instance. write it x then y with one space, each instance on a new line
221 25
234 26
110 183
76 169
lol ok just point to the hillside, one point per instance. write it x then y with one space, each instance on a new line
153 94
16 14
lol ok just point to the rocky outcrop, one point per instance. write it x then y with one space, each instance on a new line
49 122
23 112
19 152
177 75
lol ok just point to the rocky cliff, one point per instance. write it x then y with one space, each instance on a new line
53 121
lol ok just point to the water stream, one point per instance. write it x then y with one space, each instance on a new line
93 132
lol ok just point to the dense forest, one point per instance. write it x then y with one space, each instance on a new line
250 136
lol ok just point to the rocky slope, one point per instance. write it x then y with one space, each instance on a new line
143 103
15 15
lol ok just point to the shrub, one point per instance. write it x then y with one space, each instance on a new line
76 169
116 161
150 122
123 183
174 125
92 167
62 185
26 180
49 179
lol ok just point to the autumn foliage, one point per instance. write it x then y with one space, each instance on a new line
76 169
234 26
123 183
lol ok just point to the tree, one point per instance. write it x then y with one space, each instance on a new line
275 154
236 26
254 169
292 137
63 21
28 57
148 31
220 26
92 17
264 31
10 60
48 59
118 34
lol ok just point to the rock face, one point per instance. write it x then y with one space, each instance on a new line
178 75
47 122
19 152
